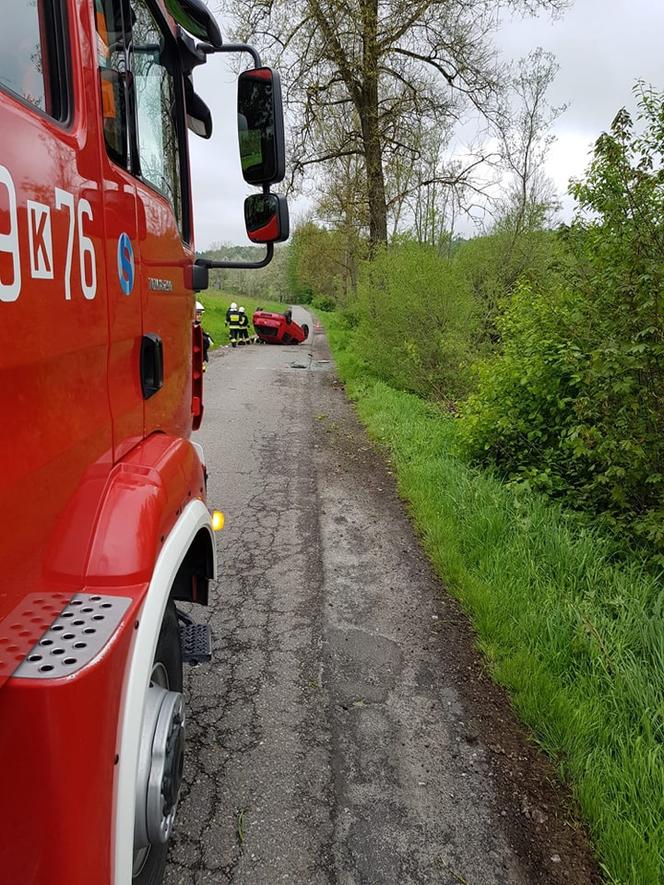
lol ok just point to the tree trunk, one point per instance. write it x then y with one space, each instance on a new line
369 116
375 187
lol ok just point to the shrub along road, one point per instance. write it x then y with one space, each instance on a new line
346 730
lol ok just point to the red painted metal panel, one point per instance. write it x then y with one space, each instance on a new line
58 742
55 427
146 494
165 260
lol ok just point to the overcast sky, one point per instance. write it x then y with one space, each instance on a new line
602 47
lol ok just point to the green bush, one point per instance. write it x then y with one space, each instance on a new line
522 416
324 302
574 401
303 296
417 321
496 263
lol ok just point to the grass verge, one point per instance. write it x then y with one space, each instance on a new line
577 639
217 303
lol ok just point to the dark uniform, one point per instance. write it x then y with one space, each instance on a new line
207 341
233 323
244 328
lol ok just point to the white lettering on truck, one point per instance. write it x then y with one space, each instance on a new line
40 242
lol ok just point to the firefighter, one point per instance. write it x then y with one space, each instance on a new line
207 339
233 307
233 323
244 326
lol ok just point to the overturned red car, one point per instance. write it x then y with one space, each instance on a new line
279 328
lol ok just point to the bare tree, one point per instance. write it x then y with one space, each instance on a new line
524 132
382 68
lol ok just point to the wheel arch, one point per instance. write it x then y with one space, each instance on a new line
191 583
189 545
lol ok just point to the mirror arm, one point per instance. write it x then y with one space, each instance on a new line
244 265
235 47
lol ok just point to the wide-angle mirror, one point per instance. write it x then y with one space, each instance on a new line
266 218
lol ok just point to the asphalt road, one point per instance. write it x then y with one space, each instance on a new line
334 738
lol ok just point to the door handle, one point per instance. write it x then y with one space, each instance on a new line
152 365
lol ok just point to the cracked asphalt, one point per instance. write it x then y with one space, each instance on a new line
333 738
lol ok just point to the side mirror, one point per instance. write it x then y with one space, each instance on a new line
261 126
195 17
266 218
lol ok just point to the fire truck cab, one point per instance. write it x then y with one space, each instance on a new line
103 518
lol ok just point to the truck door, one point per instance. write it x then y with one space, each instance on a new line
164 216
121 241
147 216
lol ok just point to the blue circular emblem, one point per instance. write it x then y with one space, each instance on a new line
126 267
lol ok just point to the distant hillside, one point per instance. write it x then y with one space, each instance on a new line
268 282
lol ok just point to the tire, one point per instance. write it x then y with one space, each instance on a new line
305 329
169 655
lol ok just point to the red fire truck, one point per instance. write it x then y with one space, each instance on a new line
103 519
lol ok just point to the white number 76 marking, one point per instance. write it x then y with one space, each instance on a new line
63 199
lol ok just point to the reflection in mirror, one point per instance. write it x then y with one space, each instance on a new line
261 126
266 218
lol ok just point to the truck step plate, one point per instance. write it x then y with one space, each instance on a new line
196 643
76 636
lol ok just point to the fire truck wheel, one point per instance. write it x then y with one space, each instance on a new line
161 756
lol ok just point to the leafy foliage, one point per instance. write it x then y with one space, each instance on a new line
321 263
574 401
495 264
417 319
324 303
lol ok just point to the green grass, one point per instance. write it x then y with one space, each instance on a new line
217 303
576 638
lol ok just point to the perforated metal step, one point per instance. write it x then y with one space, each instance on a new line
75 638
196 643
